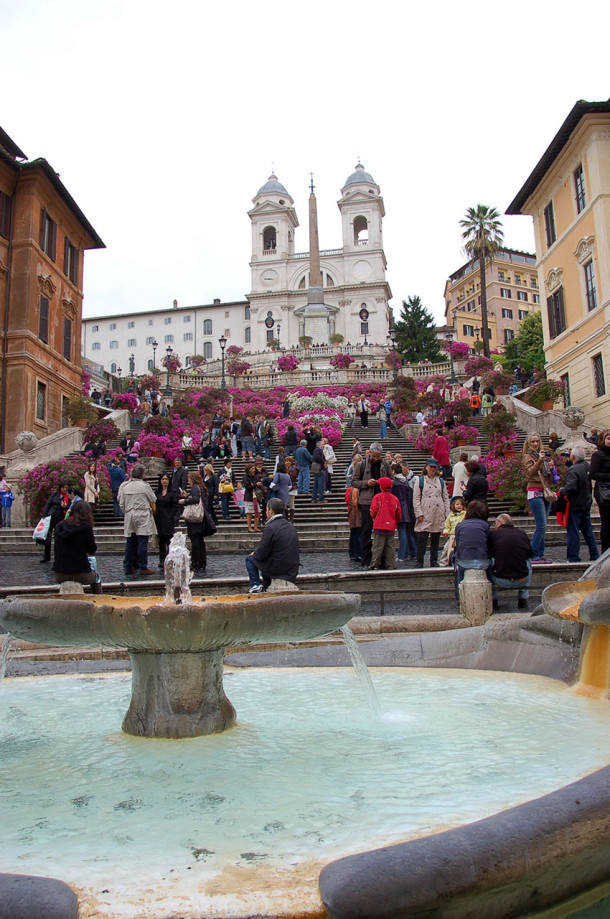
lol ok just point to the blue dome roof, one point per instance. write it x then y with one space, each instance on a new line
360 176
271 186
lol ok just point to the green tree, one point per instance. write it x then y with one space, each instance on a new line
527 347
483 235
415 333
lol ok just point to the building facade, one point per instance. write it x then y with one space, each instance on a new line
568 196
512 294
43 237
353 279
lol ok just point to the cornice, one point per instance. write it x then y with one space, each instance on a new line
584 249
554 279
46 285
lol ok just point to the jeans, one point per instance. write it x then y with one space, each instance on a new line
224 501
6 516
136 553
580 522
355 543
513 583
604 535
407 547
115 503
366 534
254 574
319 481
383 428
540 509
303 481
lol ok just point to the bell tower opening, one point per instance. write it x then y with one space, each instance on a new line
361 231
269 239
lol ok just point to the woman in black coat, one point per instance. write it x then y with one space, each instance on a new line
197 493
599 470
166 515
477 487
74 543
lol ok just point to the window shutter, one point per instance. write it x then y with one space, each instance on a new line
43 320
68 339
43 223
561 315
549 306
52 239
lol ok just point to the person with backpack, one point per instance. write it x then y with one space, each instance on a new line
366 479
475 403
407 547
386 515
431 508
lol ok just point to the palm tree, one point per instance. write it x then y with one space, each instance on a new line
483 236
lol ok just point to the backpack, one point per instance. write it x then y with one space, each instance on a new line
421 485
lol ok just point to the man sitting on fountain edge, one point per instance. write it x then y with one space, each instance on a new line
278 554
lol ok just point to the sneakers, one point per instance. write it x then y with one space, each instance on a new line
256 589
146 571
521 603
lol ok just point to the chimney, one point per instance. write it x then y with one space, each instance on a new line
175 304
216 301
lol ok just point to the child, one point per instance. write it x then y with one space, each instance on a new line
458 511
386 515
7 502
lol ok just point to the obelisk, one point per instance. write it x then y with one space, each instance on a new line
316 314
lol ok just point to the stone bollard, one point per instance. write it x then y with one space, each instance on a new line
280 585
71 587
475 596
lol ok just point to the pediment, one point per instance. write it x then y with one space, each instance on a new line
269 207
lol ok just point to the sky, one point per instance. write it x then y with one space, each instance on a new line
163 120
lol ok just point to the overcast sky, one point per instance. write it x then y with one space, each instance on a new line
164 119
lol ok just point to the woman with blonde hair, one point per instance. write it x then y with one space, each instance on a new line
537 468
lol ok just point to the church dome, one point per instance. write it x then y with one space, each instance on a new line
360 176
272 186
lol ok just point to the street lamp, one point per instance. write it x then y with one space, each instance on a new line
222 341
169 351
119 372
476 332
278 336
155 345
452 379
132 365
392 334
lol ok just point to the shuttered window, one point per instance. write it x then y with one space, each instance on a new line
43 320
549 224
5 215
68 339
556 311
70 261
48 235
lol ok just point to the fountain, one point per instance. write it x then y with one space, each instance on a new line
176 644
331 782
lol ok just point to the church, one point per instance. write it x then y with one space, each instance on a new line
317 293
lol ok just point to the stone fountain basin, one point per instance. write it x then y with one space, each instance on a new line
563 600
149 624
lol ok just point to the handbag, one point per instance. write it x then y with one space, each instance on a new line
41 530
194 513
603 493
549 494
209 527
316 468
226 488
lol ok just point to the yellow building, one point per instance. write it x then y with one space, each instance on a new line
512 293
568 195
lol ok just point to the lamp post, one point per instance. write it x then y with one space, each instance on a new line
222 341
169 351
277 325
132 365
119 372
452 379
476 332
392 334
155 345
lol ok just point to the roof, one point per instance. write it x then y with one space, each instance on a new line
166 309
10 146
64 194
360 176
272 186
497 257
560 140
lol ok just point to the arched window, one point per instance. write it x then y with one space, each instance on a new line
207 350
247 335
207 327
361 231
302 283
187 362
329 281
246 312
150 364
113 368
269 238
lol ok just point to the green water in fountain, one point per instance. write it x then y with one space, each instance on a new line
306 774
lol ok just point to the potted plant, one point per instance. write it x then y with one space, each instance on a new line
544 394
463 434
336 338
273 344
288 362
341 361
80 412
305 341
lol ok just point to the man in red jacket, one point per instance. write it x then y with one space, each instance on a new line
386 515
440 453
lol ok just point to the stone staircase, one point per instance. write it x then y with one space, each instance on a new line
321 528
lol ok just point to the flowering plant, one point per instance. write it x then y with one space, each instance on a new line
127 400
341 361
236 367
234 350
498 380
149 382
288 362
425 440
39 483
459 410
499 444
507 480
392 359
477 365
105 429
85 382
171 362
463 432
544 391
457 349
155 443
282 426
79 408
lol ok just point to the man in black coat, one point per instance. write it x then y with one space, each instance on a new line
577 489
511 567
278 554
179 476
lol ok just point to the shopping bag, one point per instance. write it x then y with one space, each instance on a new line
238 497
41 530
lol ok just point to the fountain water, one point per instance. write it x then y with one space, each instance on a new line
177 569
4 653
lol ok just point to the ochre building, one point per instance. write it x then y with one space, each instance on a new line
43 236
568 195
